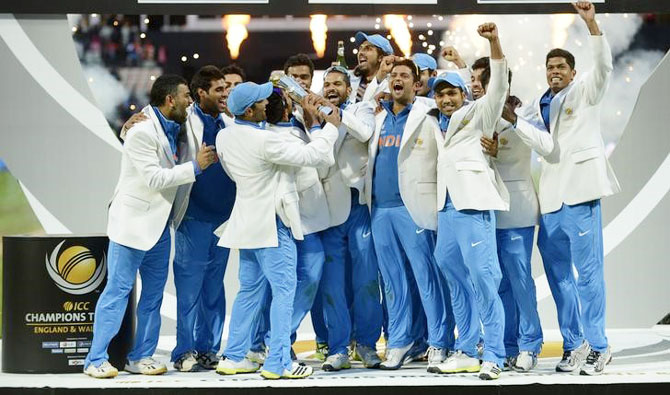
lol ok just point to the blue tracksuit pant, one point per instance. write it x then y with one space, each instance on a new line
354 238
199 267
517 291
573 235
397 239
466 254
309 267
260 268
122 266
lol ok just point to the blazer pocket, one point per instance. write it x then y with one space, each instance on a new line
426 187
135 202
516 185
585 154
470 165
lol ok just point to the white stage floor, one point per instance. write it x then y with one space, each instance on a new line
640 356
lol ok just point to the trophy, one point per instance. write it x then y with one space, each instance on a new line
294 90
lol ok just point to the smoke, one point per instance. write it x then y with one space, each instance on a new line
527 38
108 91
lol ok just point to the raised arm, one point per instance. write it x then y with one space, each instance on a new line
493 101
596 81
317 153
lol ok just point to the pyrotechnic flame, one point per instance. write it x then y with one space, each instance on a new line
559 28
236 32
400 32
318 27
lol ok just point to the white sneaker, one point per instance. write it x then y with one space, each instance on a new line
459 363
257 356
575 359
596 362
395 357
489 371
435 357
148 366
187 362
298 371
525 361
368 356
336 362
104 371
228 366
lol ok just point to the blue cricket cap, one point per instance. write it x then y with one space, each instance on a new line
451 78
246 94
425 61
376 40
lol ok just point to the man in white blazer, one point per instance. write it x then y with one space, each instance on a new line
140 217
573 179
515 229
313 217
400 191
199 264
261 228
469 188
349 237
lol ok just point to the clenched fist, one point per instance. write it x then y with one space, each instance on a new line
488 30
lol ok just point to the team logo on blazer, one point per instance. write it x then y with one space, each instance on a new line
75 270
503 141
419 141
568 111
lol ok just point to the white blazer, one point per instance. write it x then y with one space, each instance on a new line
147 185
417 161
577 170
194 131
351 161
373 89
513 163
312 204
463 169
253 158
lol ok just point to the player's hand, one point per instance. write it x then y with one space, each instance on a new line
490 146
206 156
450 54
386 66
135 118
488 30
586 10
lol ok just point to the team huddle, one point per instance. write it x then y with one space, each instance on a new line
396 202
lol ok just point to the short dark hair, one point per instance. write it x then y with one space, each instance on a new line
274 111
411 65
300 59
481 63
485 77
561 53
203 79
444 84
234 69
165 85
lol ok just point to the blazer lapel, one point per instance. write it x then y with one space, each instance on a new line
374 143
416 115
458 120
160 133
557 106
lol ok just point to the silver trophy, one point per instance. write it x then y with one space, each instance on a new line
294 90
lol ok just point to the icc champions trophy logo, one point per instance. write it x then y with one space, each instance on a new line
75 270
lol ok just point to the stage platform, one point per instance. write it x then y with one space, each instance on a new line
641 364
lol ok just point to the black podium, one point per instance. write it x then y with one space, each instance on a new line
49 290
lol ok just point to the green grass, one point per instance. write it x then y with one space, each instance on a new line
16 216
